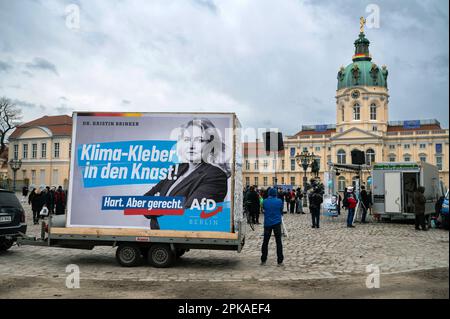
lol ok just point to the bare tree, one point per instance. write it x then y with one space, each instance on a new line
10 116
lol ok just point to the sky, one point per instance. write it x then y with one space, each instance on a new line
273 63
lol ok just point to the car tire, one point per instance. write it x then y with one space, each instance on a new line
160 256
5 244
128 255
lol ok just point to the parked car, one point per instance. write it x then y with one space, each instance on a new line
12 219
444 212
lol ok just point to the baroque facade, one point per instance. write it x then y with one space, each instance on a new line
43 146
362 123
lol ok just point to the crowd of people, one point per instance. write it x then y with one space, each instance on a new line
274 202
45 201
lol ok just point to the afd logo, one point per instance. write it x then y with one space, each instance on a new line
206 205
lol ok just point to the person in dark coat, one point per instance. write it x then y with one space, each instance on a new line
419 208
365 201
253 205
50 200
38 201
315 200
24 193
60 201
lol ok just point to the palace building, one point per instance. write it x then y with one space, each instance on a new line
362 123
43 146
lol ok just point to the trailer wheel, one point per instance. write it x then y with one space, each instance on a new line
160 256
128 255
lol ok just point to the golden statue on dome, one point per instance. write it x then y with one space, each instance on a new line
362 22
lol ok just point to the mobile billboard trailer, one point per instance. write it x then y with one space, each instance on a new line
393 186
154 185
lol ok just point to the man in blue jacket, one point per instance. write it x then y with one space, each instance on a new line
273 208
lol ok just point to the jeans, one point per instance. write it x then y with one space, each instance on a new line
315 215
267 233
299 206
351 214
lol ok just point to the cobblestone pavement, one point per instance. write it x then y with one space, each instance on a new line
332 251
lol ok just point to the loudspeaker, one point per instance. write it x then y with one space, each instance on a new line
358 157
273 141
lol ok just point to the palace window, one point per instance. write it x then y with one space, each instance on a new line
265 180
293 181
370 156
292 165
266 164
256 181
407 158
25 151
16 151
256 165
33 177
33 150
423 157
373 111
282 165
341 157
356 112
391 158
392 147
342 114
44 150
422 145
247 165
317 149
439 162
56 150
341 183
247 181
406 146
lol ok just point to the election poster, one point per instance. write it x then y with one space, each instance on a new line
330 205
157 171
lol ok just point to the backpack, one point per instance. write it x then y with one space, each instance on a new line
351 202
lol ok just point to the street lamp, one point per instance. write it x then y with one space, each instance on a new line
304 159
15 166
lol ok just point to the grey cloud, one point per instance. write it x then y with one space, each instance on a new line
208 4
63 109
5 66
42 64
29 105
28 74
24 104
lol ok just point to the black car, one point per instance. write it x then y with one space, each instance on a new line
12 219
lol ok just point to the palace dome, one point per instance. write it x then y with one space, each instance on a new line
362 72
